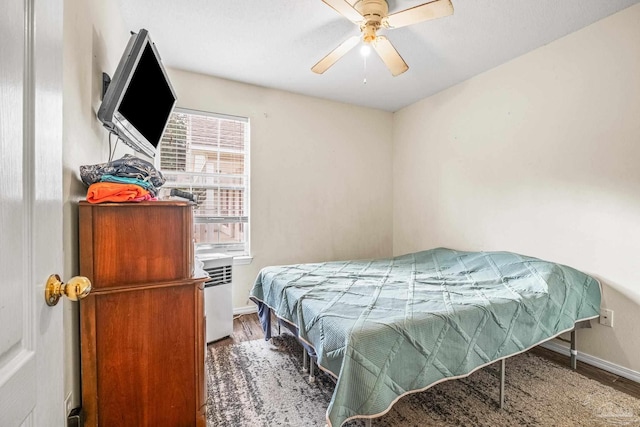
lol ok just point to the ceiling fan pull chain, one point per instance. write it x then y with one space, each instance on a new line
364 82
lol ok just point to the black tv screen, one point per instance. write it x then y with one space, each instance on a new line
140 98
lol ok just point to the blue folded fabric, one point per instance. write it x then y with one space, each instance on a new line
124 180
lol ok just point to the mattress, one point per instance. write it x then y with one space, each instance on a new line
388 327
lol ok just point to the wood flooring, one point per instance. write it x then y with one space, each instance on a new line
247 327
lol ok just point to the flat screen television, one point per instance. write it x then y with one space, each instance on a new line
139 99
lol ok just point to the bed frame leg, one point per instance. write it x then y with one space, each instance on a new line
312 373
502 375
305 360
574 351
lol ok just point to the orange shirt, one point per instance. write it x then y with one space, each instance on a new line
116 192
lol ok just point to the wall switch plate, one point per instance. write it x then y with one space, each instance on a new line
606 317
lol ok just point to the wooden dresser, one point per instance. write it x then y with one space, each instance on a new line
142 325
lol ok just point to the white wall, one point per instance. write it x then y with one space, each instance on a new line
320 174
539 156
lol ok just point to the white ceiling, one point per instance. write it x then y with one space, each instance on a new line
274 43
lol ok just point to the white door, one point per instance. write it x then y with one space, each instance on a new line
31 335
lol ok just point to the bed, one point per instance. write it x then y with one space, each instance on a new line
388 327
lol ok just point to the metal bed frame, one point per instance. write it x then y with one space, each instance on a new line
308 363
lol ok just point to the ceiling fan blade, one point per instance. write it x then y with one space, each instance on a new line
390 56
424 12
345 9
326 62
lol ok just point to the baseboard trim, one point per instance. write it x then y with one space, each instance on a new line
595 361
247 309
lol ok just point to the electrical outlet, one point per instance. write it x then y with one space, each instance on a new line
606 317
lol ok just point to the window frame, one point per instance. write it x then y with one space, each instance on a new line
245 256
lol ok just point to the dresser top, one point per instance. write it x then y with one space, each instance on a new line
146 203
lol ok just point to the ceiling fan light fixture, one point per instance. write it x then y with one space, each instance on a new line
365 50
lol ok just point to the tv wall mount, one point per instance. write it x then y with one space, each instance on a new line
106 80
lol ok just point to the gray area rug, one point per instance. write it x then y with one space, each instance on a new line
258 383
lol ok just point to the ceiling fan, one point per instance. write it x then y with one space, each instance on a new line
370 16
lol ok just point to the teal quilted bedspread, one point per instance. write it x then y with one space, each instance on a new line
388 327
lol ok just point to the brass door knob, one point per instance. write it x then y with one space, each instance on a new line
76 288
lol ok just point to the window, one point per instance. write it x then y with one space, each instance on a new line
208 155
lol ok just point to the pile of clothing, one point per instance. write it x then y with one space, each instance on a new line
129 179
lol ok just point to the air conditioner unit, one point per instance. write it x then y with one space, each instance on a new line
218 304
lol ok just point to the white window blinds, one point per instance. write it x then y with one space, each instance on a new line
208 155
